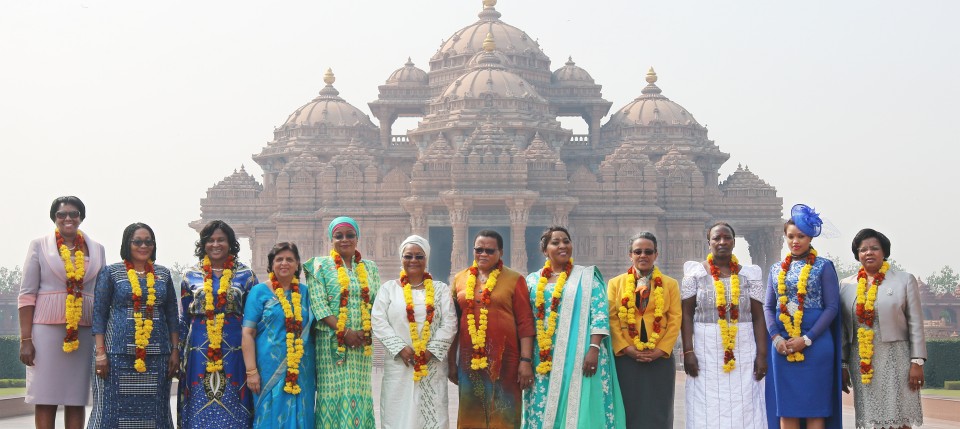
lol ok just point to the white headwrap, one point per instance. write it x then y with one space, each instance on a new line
419 241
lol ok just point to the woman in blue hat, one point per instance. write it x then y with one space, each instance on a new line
801 308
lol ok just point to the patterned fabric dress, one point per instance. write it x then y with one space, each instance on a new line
127 398
491 398
273 407
344 396
213 398
564 397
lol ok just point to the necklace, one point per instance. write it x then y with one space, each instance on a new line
293 315
728 329
142 315
215 320
419 339
547 325
74 302
365 305
866 299
478 332
628 308
793 326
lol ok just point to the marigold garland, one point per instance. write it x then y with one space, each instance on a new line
365 305
142 315
793 326
215 320
293 321
74 303
628 309
478 333
420 339
547 325
728 329
866 299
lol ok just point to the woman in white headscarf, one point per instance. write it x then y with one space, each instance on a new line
414 317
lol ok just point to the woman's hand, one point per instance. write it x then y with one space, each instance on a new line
525 375
845 377
353 338
691 365
102 366
428 355
795 345
406 356
27 352
916 377
253 382
759 367
632 353
173 365
590 362
452 374
647 356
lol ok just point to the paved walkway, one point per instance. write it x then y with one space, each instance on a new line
848 416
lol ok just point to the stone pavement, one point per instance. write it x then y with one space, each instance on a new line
24 422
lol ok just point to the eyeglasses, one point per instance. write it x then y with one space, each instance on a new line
142 243
648 252
869 249
344 236
417 257
72 214
482 250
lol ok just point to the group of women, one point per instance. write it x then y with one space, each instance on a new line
557 348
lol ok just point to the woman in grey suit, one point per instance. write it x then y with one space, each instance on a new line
882 337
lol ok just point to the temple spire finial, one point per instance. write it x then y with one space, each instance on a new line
328 77
651 76
488 44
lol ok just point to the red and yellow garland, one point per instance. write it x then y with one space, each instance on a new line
74 303
365 305
793 326
628 309
142 315
547 325
293 320
214 320
419 342
865 313
728 330
478 334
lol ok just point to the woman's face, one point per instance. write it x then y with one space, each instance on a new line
414 260
141 246
721 242
345 241
68 219
285 265
559 249
797 241
217 247
871 254
643 254
486 253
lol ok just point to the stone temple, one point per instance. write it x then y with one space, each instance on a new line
489 152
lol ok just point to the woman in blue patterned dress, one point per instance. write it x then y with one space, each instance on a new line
213 386
135 330
804 382
277 334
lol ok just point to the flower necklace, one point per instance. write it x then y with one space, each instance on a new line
365 305
419 343
142 317
293 320
865 312
478 334
546 329
793 326
74 303
728 330
214 320
628 309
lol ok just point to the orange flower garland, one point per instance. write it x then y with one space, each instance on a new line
546 326
214 320
728 329
365 305
628 309
419 340
793 326
293 321
74 302
142 314
478 333
865 313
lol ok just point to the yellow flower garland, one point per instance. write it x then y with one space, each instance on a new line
866 300
728 330
143 326
419 343
365 306
74 303
546 330
293 313
793 326
478 334
628 309
214 321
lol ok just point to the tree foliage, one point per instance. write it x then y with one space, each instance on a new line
10 279
945 281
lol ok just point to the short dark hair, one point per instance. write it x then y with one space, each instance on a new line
646 235
721 223
545 238
868 233
489 233
208 231
280 247
70 199
128 235
787 224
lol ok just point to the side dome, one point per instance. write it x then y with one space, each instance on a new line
469 40
651 107
408 75
328 109
571 75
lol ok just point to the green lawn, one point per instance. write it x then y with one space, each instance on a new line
12 391
942 392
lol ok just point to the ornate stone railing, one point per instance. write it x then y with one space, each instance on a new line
400 140
579 140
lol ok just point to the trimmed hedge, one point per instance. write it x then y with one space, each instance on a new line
7 382
10 366
951 385
941 365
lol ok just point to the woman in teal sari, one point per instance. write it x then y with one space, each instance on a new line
282 398
574 366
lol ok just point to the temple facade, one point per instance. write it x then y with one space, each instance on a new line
489 153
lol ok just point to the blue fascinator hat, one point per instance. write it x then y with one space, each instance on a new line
807 220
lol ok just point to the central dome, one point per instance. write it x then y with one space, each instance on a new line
489 76
511 40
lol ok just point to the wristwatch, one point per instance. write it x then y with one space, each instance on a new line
807 341
918 361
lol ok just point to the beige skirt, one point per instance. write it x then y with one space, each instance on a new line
58 378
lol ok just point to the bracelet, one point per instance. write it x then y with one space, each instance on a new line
778 340
251 371
526 359
26 339
688 351
596 346
101 358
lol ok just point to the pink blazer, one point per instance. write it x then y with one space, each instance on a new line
44 283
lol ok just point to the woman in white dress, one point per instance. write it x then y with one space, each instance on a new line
414 388
724 387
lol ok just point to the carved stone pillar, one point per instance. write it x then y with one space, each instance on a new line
459 220
418 223
519 215
594 127
386 127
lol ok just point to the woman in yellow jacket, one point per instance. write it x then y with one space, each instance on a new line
645 318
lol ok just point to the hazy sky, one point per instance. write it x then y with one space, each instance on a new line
139 107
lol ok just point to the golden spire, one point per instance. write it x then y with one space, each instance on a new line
488 43
489 3
651 76
328 77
